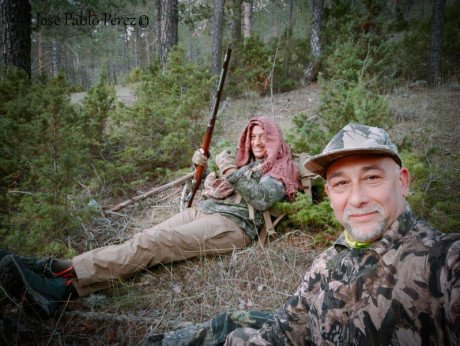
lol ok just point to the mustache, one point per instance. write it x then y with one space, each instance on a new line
365 210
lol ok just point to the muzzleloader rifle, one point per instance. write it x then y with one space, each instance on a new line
210 128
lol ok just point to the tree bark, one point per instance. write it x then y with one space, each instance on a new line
315 37
247 5
147 47
235 26
169 27
124 49
434 65
217 20
56 53
290 12
40 52
15 23
157 27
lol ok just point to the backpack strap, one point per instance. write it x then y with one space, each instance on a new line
269 227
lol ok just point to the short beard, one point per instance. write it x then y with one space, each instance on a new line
368 236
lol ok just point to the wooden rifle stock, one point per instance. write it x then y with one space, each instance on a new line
210 128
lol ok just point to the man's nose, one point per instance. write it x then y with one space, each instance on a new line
358 196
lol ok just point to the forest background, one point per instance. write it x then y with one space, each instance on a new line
64 164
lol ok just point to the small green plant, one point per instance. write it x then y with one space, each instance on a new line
43 159
433 196
94 114
253 72
341 102
163 128
355 41
316 218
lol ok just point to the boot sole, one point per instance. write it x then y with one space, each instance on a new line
13 281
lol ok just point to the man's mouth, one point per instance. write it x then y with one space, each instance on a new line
362 217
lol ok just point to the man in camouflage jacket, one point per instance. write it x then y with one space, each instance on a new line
389 279
261 174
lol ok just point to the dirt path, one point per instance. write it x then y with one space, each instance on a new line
124 94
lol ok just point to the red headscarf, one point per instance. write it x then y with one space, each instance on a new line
278 161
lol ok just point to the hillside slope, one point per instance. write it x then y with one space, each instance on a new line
173 296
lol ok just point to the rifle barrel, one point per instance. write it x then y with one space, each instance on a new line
210 127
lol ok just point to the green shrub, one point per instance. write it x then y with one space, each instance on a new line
411 51
252 73
354 40
163 128
42 160
341 102
434 195
96 109
276 64
316 218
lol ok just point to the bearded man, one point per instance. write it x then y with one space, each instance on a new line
229 217
389 279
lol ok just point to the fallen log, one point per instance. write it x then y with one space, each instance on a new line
152 192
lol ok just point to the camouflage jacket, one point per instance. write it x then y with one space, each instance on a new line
402 290
260 192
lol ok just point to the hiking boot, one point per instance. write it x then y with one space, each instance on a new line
42 266
39 293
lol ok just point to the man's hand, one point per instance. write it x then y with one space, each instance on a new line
226 162
199 158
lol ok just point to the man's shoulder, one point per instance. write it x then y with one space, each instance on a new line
418 231
438 247
430 235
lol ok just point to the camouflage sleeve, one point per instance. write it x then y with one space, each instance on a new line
452 291
261 195
289 325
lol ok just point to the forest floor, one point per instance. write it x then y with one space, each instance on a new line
168 297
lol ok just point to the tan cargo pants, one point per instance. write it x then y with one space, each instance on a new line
188 234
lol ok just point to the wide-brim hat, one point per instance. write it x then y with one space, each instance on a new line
353 139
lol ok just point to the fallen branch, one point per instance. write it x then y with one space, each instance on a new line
152 192
106 316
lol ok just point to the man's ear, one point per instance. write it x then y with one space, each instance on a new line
404 180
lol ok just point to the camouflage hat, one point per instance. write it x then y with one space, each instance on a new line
353 139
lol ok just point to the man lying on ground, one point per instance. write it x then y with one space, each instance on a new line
229 217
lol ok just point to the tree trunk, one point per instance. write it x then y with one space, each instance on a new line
235 26
56 57
434 65
136 45
290 11
15 23
247 5
147 47
315 39
287 46
40 52
169 27
124 48
217 20
157 27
